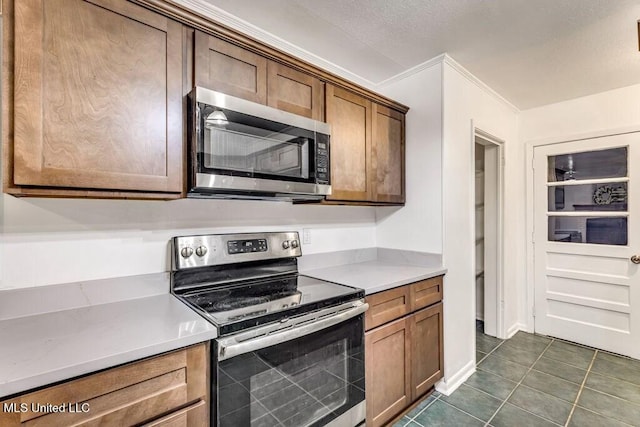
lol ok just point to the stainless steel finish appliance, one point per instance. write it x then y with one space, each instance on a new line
290 350
241 149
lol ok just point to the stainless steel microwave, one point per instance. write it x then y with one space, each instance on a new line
241 149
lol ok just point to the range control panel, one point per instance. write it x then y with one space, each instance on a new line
246 246
218 249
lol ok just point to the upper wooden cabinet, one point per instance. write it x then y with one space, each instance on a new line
97 98
367 149
230 69
294 91
236 71
350 118
388 154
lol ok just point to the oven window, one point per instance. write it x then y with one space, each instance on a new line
305 382
255 147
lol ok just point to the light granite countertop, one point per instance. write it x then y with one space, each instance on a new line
373 269
91 330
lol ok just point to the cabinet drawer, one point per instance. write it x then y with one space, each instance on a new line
425 292
126 395
194 415
386 306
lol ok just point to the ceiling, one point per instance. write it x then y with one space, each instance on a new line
531 52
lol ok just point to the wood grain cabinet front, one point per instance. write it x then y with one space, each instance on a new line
167 390
226 67
388 371
97 98
404 354
367 149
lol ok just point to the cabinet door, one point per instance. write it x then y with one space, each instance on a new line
350 118
427 354
387 371
388 155
230 69
98 96
294 91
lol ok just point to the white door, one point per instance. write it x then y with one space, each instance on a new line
586 237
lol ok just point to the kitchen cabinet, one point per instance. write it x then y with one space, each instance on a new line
427 355
228 68
231 69
294 91
367 149
166 390
403 347
388 154
349 115
387 371
97 100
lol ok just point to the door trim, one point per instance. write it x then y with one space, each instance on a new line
529 325
498 144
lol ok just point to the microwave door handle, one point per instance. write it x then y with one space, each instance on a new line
230 347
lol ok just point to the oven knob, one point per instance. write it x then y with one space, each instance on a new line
201 251
294 244
285 244
186 252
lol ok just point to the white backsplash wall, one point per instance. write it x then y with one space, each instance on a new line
49 241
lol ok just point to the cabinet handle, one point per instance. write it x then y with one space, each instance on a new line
635 259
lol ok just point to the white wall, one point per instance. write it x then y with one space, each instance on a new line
418 225
467 101
611 110
48 241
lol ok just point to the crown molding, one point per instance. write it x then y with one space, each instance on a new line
225 18
413 70
473 79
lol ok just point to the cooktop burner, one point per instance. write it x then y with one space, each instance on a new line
243 305
236 291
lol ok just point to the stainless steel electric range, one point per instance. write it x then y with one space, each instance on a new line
290 350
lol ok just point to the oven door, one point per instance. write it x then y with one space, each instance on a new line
310 374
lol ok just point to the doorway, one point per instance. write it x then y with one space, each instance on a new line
586 242
488 225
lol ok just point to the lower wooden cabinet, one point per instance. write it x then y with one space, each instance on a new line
427 355
166 390
387 371
404 357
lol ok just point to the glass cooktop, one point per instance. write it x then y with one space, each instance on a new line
245 304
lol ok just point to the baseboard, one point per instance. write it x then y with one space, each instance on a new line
515 328
448 386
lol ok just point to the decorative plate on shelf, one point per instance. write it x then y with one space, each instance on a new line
603 195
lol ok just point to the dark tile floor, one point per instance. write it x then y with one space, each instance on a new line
531 380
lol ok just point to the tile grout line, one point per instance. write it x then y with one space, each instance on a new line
584 381
463 411
491 352
519 383
412 419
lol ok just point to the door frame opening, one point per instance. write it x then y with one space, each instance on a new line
493 268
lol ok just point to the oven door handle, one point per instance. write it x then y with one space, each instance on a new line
232 346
